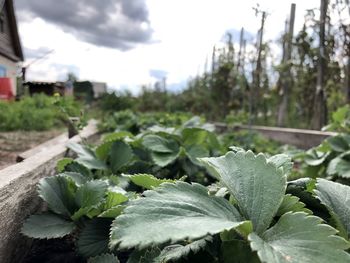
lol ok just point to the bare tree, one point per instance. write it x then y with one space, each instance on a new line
286 76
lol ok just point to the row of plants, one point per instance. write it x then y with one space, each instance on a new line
37 113
178 194
128 120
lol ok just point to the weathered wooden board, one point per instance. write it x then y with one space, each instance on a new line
18 197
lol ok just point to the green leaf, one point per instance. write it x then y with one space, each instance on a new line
196 151
103 150
291 203
144 256
315 158
194 136
340 114
338 143
80 150
163 159
92 163
195 121
117 136
106 258
79 168
147 181
159 144
339 166
112 212
76 177
86 156
236 149
89 196
121 154
58 192
257 185
297 237
91 193
173 212
61 164
176 252
47 226
282 161
93 239
336 197
114 199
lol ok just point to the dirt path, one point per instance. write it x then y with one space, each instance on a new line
14 143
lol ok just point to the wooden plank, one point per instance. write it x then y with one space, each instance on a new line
63 138
303 139
18 196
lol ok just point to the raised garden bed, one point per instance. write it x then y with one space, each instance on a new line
18 198
109 180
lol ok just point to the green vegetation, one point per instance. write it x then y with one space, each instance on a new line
170 192
37 113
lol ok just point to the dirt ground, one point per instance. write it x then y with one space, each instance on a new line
14 143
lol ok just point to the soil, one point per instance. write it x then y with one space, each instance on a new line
53 251
14 143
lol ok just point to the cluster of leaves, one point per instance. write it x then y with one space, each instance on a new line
255 216
165 152
35 113
331 159
163 195
251 214
127 120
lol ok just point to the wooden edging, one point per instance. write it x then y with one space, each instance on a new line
61 139
18 197
303 139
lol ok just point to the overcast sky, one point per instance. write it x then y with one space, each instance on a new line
127 43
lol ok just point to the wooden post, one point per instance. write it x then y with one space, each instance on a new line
319 118
255 91
286 75
347 80
241 43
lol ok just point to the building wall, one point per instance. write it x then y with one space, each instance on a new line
11 71
99 89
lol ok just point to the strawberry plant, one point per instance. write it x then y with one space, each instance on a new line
164 152
80 207
197 207
259 222
331 159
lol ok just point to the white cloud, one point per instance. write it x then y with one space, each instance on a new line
184 33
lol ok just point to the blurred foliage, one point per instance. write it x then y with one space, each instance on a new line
340 120
250 140
38 113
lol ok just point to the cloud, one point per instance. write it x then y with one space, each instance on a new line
119 24
35 53
158 73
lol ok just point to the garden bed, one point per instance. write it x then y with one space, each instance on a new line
16 142
106 183
18 198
